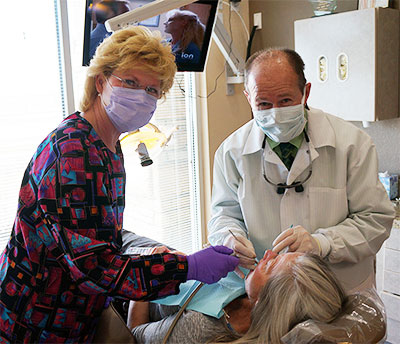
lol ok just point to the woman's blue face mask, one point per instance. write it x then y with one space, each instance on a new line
128 109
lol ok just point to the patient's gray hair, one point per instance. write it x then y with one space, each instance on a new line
307 289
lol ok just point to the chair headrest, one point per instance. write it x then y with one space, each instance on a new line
362 320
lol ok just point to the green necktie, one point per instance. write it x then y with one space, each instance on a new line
287 152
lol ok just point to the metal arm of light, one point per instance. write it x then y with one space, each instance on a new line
234 61
145 12
224 42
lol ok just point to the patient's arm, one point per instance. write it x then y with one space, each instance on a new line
138 314
136 244
130 241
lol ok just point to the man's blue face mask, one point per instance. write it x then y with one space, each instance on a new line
282 124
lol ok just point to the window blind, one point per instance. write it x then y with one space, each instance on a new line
160 197
30 96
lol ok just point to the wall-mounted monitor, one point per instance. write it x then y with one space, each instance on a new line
187 28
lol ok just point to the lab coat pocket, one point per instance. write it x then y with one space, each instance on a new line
328 206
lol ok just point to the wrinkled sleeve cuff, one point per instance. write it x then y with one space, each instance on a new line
324 244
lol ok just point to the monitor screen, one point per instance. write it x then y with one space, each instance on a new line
187 28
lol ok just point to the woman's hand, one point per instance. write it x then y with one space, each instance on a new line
159 249
211 264
165 249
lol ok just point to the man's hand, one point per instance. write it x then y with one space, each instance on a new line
297 239
244 250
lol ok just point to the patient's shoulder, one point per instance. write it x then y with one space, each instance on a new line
195 327
192 327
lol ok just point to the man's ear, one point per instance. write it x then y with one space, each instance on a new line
307 91
247 96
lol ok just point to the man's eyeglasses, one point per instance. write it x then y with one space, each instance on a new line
297 185
132 84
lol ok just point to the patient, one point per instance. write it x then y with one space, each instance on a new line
281 292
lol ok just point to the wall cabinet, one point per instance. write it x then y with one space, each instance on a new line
352 62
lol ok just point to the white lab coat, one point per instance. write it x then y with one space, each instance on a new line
343 204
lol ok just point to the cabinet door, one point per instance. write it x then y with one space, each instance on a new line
351 60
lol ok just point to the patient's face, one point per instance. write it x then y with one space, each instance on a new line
270 264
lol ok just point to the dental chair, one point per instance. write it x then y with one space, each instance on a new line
362 320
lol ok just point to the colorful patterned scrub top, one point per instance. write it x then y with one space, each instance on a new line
63 260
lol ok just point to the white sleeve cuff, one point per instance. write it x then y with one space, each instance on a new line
324 243
219 236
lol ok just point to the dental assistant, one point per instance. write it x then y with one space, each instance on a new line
63 262
298 178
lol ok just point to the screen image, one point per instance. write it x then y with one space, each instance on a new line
187 28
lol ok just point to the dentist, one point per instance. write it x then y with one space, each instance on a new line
298 179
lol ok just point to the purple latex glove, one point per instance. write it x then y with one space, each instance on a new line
211 264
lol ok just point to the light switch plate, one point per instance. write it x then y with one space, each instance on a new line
258 20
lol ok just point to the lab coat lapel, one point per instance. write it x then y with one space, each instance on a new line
254 144
271 157
320 130
302 161
254 140
320 133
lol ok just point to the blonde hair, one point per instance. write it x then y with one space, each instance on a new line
307 289
132 47
193 31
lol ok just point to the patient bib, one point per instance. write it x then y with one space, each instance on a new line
211 298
